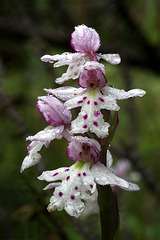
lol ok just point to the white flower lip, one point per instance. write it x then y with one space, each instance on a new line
75 185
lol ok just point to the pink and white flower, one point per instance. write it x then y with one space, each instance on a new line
76 185
92 96
59 118
85 41
73 186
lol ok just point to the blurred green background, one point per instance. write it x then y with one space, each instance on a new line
28 30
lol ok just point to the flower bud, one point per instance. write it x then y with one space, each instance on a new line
53 111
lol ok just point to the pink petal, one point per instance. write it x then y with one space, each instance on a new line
53 111
85 39
83 148
92 76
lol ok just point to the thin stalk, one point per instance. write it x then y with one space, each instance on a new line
107 198
109 214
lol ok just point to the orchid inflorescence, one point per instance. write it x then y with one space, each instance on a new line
89 134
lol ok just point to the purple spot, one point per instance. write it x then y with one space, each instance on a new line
85 126
96 113
95 123
75 74
85 116
95 103
68 178
79 174
72 197
101 99
91 185
29 148
80 101
88 102
76 188
60 194
67 170
84 174
84 98
55 174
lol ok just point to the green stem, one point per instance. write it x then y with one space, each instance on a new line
106 141
109 214
107 198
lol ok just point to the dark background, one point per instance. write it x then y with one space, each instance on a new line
28 30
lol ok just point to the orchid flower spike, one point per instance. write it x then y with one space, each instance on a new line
59 118
76 185
85 41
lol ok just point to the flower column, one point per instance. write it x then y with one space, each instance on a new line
88 135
